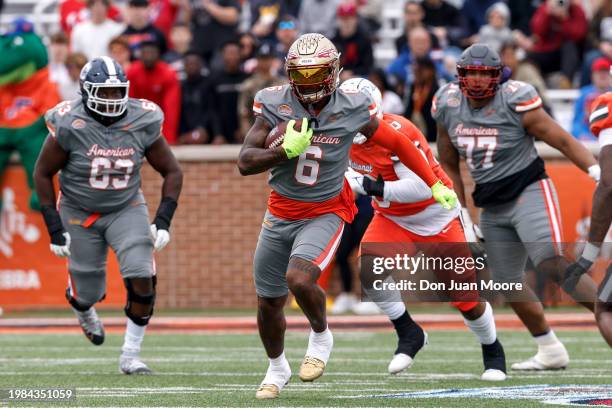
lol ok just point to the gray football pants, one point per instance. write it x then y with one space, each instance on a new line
126 231
528 226
315 240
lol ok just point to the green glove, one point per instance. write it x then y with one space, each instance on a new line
295 143
444 195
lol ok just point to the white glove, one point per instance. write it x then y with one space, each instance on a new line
595 172
62 250
355 180
471 230
160 238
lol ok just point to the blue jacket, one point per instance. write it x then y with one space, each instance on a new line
582 110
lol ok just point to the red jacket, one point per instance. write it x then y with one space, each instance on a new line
161 86
551 32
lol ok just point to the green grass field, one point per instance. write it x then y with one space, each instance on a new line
225 369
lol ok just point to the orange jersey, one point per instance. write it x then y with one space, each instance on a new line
343 205
372 159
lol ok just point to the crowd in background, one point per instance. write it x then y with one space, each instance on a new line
203 61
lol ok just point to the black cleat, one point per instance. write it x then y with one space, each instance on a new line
494 360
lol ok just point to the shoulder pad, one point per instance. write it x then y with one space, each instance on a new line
521 96
600 113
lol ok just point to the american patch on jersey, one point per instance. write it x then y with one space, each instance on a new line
285 109
453 102
574 394
78 124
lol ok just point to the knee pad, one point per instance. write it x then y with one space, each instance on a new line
75 304
134 297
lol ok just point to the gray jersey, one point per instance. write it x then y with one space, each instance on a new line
318 174
103 169
492 139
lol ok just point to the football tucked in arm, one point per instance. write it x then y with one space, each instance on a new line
277 134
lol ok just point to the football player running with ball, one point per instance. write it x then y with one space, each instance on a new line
310 199
601 215
493 127
98 144
406 213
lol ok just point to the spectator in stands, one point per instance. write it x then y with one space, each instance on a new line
248 51
91 37
413 17
265 14
353 42
521 12
196 105
523 70
445 21
180 38
287 32
58 52
318 16
214 22
597 24
73 12
140 29
69 89
600 77
496 32
419 45
225 91
264 76
371 14
559 26
392 103
474 13
152 79
604 49
164 14
119 50
420 96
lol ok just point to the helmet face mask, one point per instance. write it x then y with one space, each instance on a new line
313 67
479 71
479 82
104 87
99 102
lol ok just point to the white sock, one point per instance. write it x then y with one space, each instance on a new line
134 334
393 310
389 301
483 327
320 345
547 339
278 371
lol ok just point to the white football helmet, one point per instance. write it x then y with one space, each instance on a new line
366 86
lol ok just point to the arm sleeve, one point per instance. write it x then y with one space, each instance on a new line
261 107
54 125
408 189
523 97
154 128
405 150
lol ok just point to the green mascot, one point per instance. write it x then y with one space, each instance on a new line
26 93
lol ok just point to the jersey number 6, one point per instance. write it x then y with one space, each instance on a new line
100 177
307 170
